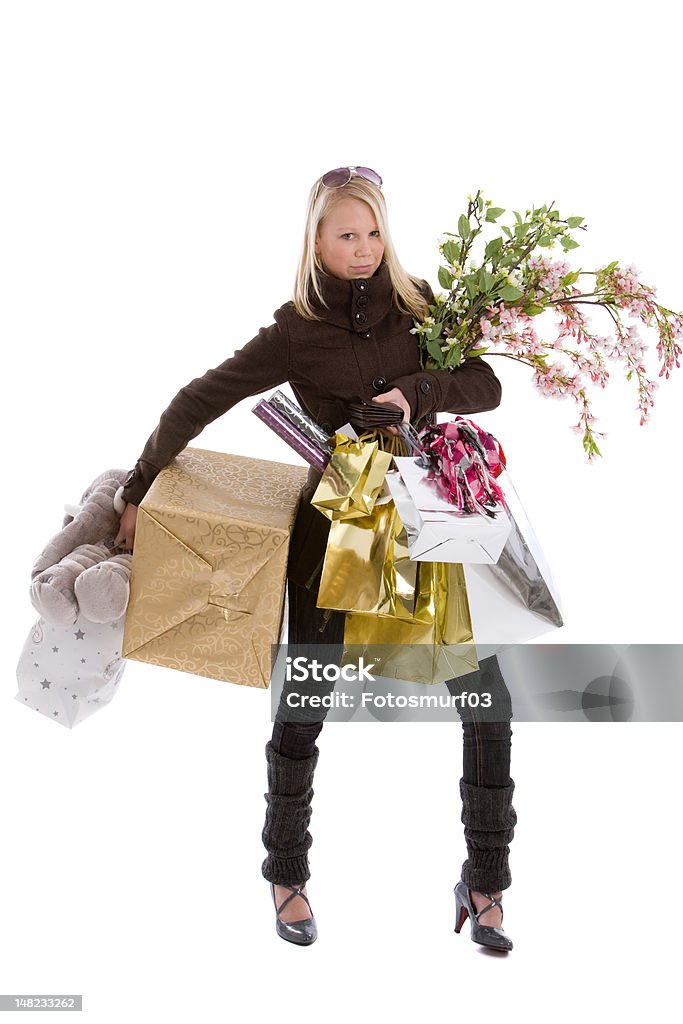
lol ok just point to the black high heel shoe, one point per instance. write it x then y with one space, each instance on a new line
304 932
485 935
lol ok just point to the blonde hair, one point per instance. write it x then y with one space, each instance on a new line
406 294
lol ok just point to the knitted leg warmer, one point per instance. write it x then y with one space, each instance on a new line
489 819
288 813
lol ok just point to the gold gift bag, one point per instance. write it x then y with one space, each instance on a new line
411 618
209 565
361 526
352 480
428 643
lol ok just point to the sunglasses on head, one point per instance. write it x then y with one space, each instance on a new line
342 176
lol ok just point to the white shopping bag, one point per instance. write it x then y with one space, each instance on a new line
436 531
69 672
516 599
512 597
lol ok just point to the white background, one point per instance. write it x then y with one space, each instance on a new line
157 161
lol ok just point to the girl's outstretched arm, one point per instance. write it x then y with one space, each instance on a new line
260 364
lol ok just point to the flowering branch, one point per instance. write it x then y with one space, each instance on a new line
492 305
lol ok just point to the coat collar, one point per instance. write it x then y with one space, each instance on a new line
347 299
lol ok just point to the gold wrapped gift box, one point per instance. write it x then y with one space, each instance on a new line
209 565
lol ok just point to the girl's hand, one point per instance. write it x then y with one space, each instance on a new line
126 534
397 397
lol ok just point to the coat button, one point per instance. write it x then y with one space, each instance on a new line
425 387
362 300
326 425
361 284
364 334
378 383
429 418
360 317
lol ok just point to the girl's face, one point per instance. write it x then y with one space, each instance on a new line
348 240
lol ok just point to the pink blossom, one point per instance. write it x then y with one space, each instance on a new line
630 294
550 274
508 317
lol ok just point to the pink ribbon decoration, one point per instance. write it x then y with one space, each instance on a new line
464 461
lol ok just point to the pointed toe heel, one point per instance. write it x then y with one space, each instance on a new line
303 932
485 935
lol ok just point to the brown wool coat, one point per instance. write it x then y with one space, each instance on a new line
360 348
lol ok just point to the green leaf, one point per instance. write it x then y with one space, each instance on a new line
510 294
545 240
487 281
570 278
493 247
464 227
554 215
453 357
494 212
434 332
445 278
470 282
568 243
506 229
451 251
590 445
573 222
478 351
533 310
517 217
435 352
521 229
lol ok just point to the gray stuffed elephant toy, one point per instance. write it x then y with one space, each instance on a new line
80 569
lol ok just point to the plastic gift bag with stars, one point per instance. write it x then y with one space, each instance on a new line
69 672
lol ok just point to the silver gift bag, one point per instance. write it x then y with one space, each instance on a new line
515 599
522 565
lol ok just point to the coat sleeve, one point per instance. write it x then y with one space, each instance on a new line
260 364
471 387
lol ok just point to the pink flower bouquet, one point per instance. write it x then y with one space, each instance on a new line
490 307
